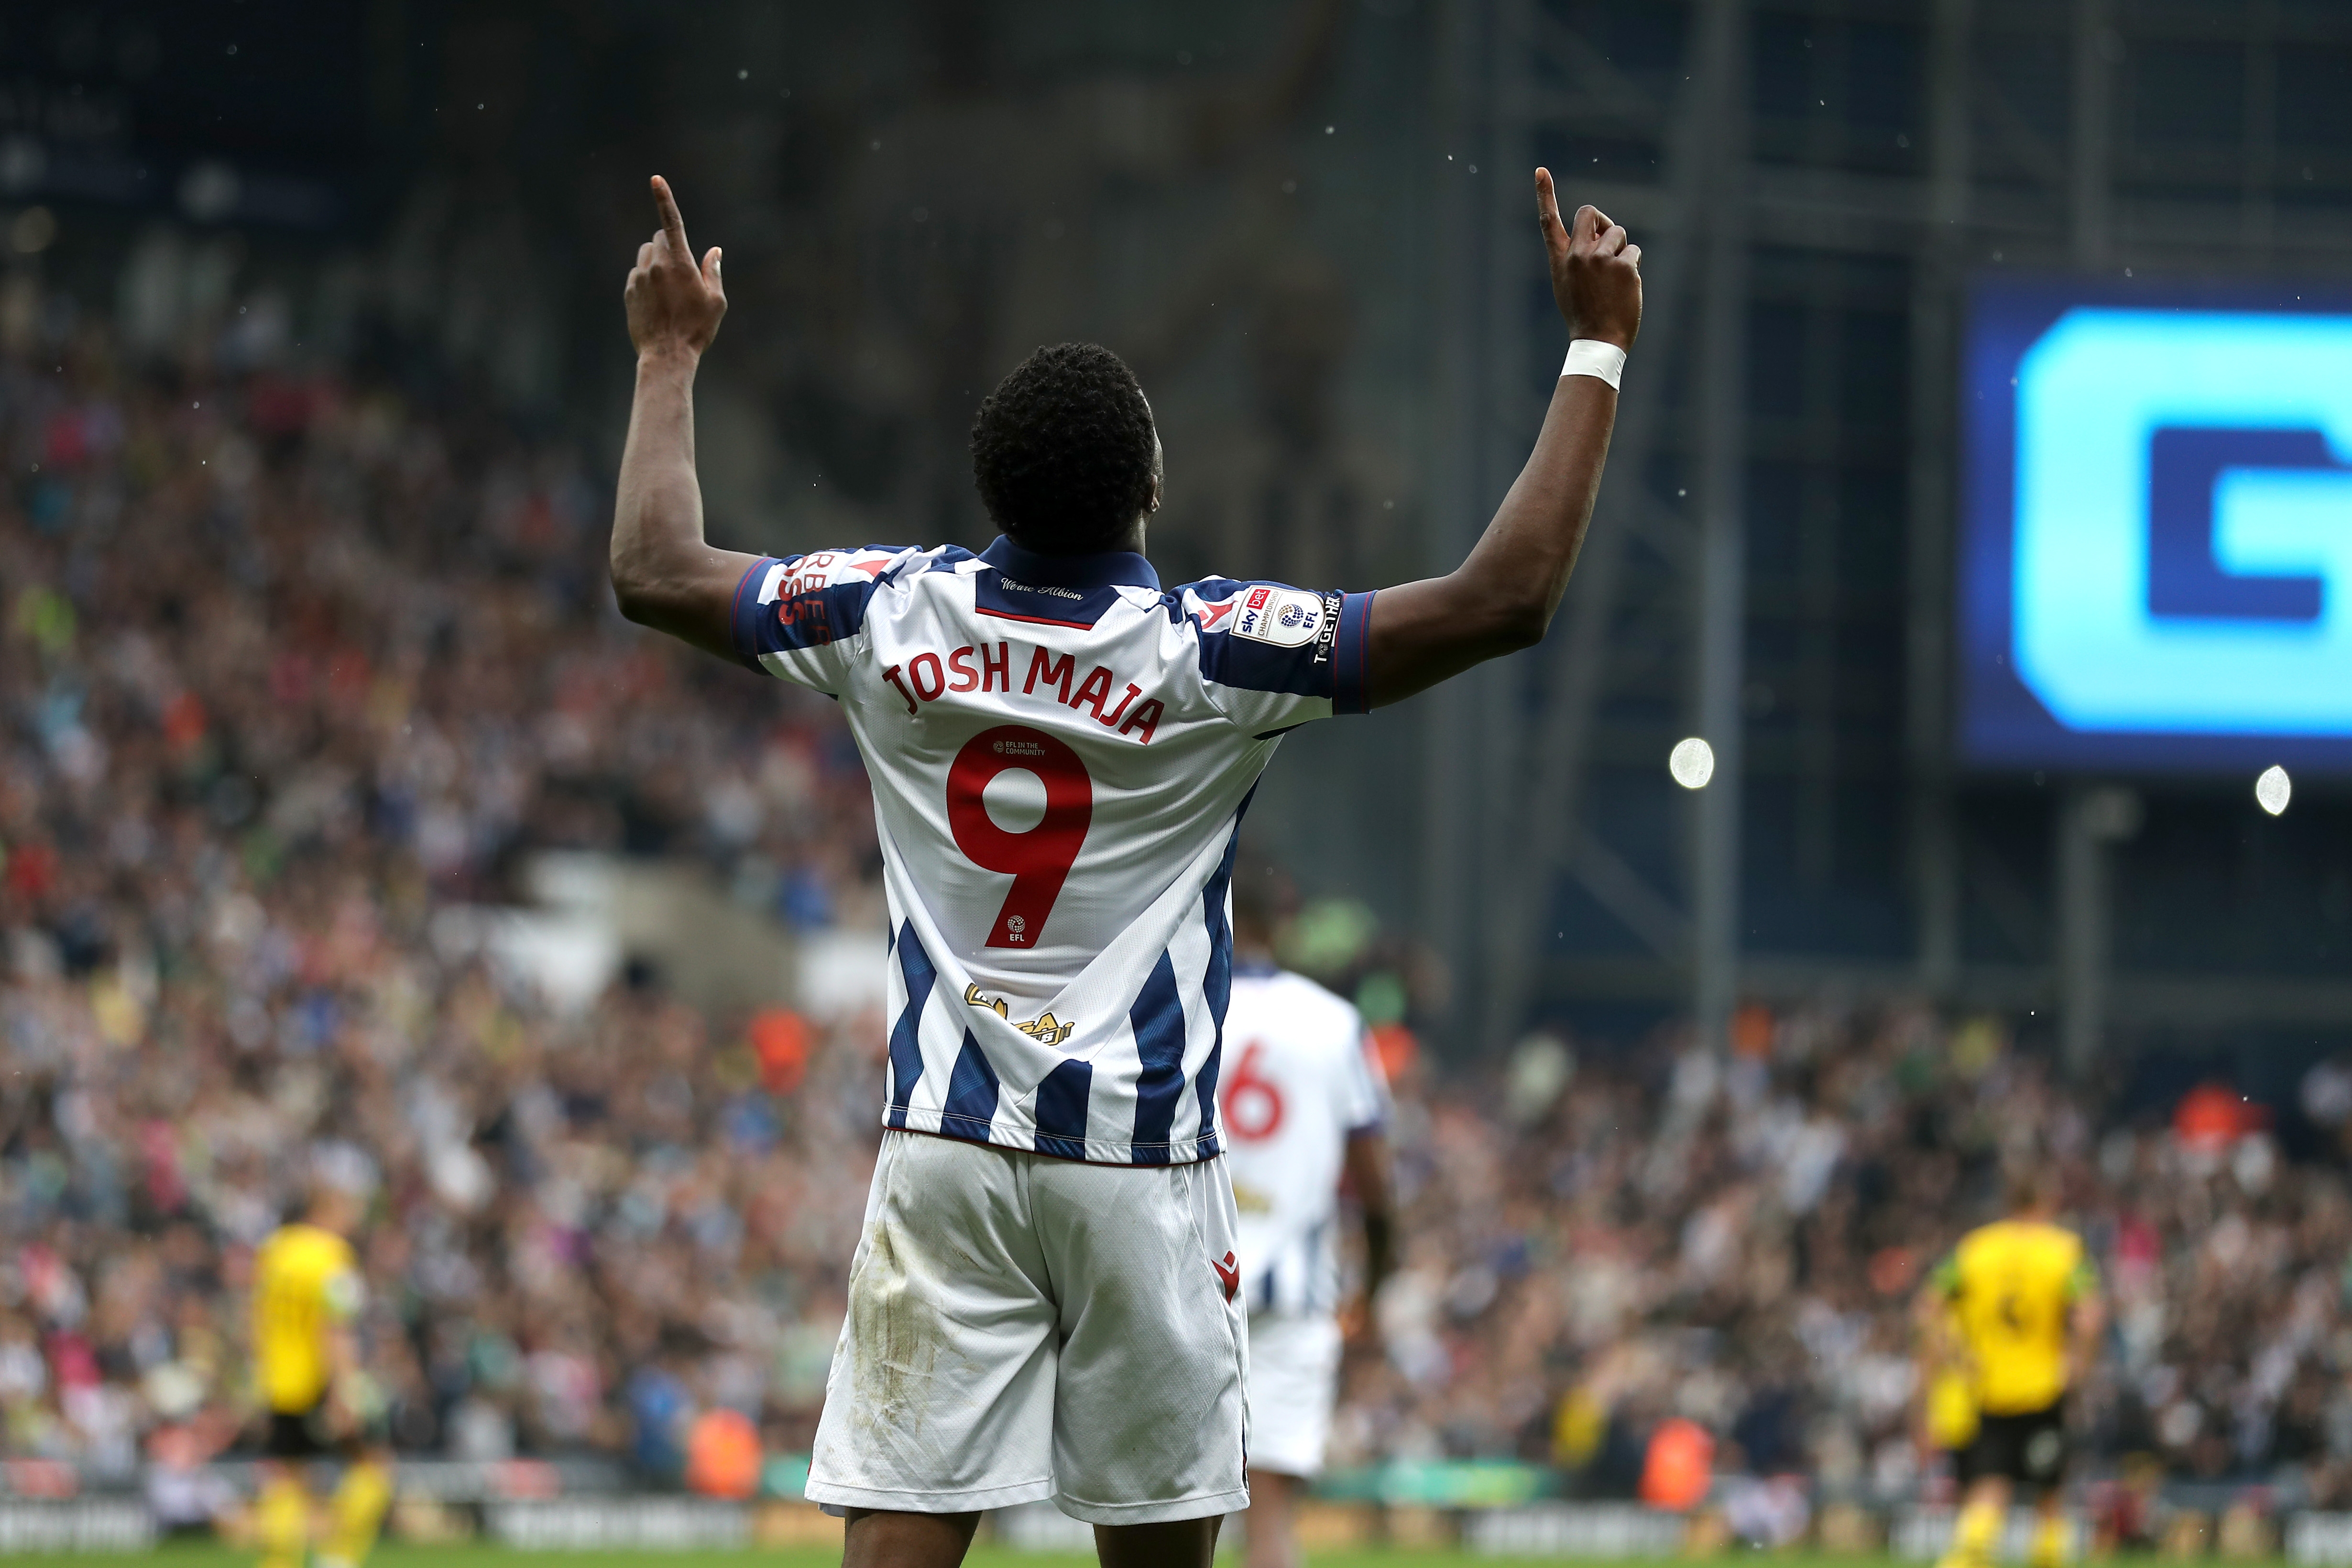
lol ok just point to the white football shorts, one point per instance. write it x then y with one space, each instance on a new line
1023 1328
1294 1381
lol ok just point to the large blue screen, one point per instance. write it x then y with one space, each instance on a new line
2156 551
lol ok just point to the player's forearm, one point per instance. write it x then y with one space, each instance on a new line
1523 560
1367 1160
1503 597
1379 1248
665 575
658 550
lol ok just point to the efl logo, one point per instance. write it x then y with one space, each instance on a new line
1283 617
2158 549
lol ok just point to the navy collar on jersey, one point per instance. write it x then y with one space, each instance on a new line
1108 569
1255 969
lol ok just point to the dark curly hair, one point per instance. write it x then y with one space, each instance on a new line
1063 450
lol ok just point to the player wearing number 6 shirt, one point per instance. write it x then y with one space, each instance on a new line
1303 1106
1046 1298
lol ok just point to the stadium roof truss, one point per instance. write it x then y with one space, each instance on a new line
1769 566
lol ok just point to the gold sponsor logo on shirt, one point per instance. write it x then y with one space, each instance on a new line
1045 1027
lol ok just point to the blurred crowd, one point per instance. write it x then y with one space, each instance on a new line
291 663
1596 1249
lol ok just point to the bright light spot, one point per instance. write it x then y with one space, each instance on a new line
1692 762
2273 790
34 229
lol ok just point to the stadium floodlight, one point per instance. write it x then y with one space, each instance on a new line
1692 761
2273 790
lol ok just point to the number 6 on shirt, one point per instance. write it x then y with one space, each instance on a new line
1039 860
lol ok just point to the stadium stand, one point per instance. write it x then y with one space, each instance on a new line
293 664
1739 1243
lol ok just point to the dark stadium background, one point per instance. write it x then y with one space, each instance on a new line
323 738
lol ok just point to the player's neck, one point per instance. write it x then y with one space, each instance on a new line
1130 542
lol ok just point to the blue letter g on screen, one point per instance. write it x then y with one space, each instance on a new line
2183 546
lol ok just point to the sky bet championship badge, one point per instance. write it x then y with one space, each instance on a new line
1283 617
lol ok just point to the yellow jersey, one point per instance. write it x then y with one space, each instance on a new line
2012 1285
305 1282
1952 1395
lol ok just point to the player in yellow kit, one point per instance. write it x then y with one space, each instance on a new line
1948 1382
2017 1304
306 1291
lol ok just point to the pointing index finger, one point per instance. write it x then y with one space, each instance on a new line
672 224
1548 208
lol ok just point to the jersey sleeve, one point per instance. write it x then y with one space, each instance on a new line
1946 1278
800 617
1363 1087
1274 657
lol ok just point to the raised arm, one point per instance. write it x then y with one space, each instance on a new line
664 575
1502 597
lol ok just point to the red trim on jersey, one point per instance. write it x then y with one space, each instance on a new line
1034 620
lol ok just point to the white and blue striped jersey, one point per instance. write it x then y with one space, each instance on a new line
1061 752
1301 1080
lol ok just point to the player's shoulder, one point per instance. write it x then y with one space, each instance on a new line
795 603
860 567
1239 612
2056 1239
1266 637
1321 1012
1975 1244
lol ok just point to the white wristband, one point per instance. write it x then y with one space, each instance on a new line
1591 356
